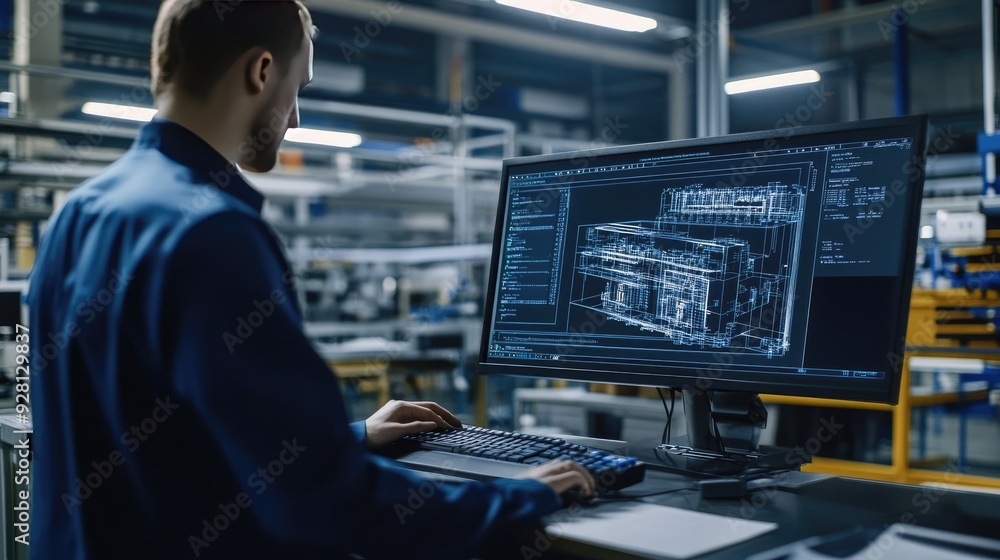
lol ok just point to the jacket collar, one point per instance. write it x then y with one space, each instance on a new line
190 150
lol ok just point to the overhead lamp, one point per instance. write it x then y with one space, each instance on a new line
584 13
323 137
115 111
145 114
772 81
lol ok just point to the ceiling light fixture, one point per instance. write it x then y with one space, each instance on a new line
584 13
114 111
772 81
301 135
323 137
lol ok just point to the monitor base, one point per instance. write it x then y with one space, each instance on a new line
705 463
723 432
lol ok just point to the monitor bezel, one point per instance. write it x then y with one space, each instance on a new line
887 393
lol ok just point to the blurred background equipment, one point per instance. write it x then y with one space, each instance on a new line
386 198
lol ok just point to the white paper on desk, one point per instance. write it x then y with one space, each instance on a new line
652 530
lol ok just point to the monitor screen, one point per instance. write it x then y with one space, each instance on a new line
777 262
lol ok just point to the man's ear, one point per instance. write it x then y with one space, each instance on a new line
259 69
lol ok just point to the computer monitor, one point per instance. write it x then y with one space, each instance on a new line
773 262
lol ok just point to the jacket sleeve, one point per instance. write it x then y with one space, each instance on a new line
360 430
239 358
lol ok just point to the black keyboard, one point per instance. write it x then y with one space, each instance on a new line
610 471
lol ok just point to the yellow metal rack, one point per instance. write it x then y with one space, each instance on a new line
927 335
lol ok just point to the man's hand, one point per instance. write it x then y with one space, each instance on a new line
563 476
399 418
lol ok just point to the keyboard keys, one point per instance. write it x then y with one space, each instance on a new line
612 472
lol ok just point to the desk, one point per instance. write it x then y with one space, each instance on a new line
826 506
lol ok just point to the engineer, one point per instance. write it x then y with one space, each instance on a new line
179 409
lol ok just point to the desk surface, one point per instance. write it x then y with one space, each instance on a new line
823 507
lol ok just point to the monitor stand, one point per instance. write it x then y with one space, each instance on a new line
723 433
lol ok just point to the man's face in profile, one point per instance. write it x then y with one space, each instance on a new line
279 112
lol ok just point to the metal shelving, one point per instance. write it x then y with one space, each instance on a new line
409 213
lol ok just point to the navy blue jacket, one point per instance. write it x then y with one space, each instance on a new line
179 409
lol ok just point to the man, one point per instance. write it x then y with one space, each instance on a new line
179 409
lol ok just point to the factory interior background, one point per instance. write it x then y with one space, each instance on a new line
386 198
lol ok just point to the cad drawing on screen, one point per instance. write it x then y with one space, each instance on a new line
715 268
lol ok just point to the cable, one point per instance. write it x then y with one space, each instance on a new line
718 435
665 438
608 499
668 412
670 416
762 472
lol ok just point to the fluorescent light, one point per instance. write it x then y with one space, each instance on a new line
584 13
124 112
773 81
7 97
323 137
303 135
